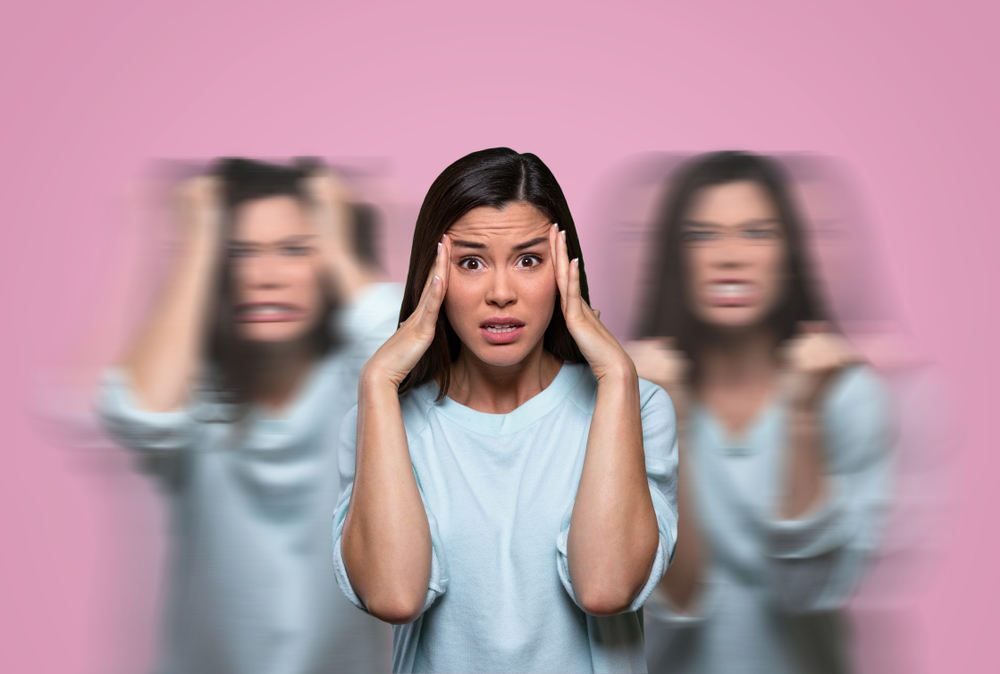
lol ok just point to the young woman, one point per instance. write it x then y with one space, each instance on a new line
234 392
785 435
508 481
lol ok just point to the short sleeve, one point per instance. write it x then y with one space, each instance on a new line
347 450
817 561
659 441
142 430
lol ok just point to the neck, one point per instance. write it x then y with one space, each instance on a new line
501 389
737 358
278 372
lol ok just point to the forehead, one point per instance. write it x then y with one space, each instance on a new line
270 219
515 223
732 203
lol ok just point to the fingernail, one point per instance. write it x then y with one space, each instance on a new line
563 235
439 247
575 261
437 279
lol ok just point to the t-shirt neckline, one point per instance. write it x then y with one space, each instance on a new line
531 411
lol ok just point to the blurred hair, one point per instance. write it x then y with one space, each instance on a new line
494 178
665 309
231 358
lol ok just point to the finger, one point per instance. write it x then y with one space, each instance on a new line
562 276
556 246
597 312
442 268
425 294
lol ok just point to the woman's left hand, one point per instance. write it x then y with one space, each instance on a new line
811 360
602 351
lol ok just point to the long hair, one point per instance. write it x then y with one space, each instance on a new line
231 359
666 311
494 178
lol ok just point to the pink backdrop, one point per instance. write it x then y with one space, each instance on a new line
904 92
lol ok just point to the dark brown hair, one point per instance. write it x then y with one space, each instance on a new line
665 310
495 178
231 359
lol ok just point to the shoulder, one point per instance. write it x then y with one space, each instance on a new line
858 418
653 400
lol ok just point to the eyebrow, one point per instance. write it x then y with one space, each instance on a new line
520 246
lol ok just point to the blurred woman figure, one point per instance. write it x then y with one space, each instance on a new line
233 393
784 433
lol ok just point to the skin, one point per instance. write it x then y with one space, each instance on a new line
283 253
500 263
732 234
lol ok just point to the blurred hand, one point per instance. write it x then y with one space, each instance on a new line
598 345
811 360
330 197
401 353
661 363
199 209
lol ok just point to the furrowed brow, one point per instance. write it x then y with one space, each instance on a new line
468 244
533 242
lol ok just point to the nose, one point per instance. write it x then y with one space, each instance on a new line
730 253
501 291
264 272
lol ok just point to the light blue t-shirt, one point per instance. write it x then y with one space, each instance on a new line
499 492
773 588
251 585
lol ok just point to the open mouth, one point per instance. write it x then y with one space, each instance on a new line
262 312
501 330
730 292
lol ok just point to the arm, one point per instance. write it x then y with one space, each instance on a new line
657 361
386 542
613 534
816 560
165 356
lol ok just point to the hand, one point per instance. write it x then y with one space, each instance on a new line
401 353
658 361
199 209
602 351
330 197
811 360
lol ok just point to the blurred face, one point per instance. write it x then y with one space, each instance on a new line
275 270
735 255
502 286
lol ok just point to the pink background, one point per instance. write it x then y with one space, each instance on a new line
904 92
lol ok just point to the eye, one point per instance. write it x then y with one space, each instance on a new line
760 234
471 264
296 251
699 235
240 252
529 261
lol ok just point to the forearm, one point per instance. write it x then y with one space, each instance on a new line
166 354
613 532
386 538
805 480
682 580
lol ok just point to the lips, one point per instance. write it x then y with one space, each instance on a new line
501 329
268 312
730 292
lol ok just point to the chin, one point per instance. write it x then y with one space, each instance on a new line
733 318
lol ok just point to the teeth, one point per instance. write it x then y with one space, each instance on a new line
730 289
265 309
501 328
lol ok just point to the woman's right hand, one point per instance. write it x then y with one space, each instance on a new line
198 203
658 361
401 352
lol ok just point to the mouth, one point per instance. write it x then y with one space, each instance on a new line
268 312
730 293
501 330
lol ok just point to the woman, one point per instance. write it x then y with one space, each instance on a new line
508 481
233 392
784 434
